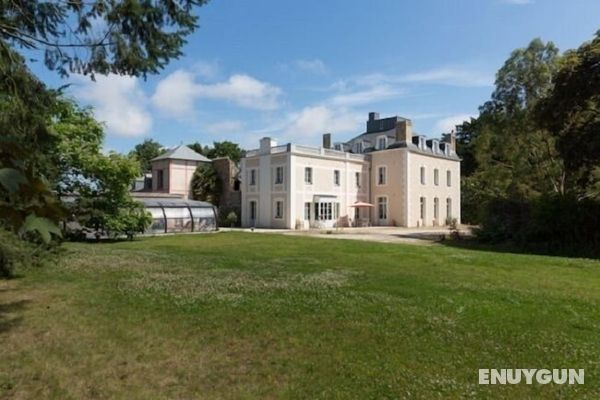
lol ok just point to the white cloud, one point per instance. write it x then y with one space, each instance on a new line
244 91
224 127
448 124
207 69
177 93
314 66
366 96
118 101
315 120
454 76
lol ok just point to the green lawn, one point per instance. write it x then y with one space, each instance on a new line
233 315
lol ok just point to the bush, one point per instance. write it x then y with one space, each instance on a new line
16 253
552 224
229 217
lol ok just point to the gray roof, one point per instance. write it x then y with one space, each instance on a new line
181 152
166 202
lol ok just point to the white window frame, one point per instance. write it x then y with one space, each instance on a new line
278 169
357 179
385 139
307 210
423 172
308 173
436 208
422 208
448 178
436 177
385 177
336 177
386 200
448 208
253 210
252 177
278 215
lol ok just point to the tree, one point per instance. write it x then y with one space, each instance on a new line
206 184
101 182
198 148
571 112
146 151
506 153
226 149
128 37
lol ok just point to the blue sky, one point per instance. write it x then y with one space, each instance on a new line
296 69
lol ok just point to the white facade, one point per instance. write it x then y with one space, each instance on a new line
410 181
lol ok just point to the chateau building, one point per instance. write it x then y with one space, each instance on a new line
385 176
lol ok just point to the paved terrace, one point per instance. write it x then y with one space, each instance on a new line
382 234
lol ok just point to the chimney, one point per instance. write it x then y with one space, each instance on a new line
373 116
327 140
453 141
404 131
265 145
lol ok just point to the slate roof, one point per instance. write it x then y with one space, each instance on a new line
181 152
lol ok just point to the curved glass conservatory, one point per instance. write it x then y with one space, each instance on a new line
179 215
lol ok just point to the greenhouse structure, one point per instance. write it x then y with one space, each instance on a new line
175 215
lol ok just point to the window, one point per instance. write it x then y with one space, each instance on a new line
308 175
252 177
253 211
326 211
382 207
436 177
422 175
357 178
423 205
279 209
448 178
336 177
436 208
307 211
449 208
382 142
278 175
160 182
358 147
381 175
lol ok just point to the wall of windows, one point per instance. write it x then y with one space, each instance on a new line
178 215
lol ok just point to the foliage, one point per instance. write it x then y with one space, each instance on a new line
555 224
206 184
146 151
220 149
198 148
127 37
572 113
228 217
26 147
226 149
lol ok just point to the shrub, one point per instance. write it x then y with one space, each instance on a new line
552 224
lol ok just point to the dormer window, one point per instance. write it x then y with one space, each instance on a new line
435 146
421 142
382 142
358 147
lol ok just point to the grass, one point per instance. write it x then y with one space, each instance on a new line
235 315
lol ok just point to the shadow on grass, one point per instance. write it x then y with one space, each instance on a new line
7 321
471 243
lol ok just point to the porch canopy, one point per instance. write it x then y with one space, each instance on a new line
359 204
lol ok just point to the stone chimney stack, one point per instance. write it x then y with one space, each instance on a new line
453 140
265 145
404 131
327 140
373 116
